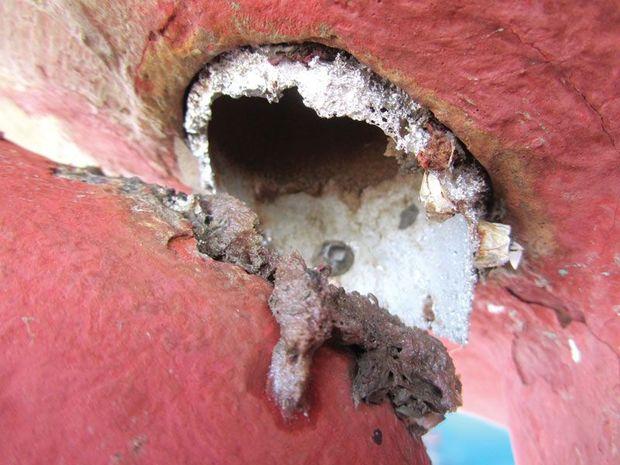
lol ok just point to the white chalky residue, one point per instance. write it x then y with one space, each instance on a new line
401 267
575 353
495 309
342 87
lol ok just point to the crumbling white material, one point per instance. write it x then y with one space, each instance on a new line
494 249
341 87
464 186
433 197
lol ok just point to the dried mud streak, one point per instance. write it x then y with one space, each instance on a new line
404 365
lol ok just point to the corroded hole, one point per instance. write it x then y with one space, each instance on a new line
326 151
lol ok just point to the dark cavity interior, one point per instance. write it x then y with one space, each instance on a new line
261 150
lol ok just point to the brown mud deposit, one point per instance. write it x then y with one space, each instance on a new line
404 365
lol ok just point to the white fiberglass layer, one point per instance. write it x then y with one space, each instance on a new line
401 267
342 87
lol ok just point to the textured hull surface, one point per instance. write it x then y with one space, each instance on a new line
531 88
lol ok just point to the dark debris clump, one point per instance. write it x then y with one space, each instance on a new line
405 366
228 232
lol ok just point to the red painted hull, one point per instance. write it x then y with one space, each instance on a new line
530 87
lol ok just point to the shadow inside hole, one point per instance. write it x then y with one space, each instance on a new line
263 150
